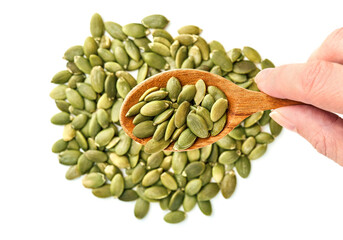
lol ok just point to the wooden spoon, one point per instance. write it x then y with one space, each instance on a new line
242 102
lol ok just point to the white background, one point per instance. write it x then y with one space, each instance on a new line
292 192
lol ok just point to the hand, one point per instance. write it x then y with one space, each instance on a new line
319 82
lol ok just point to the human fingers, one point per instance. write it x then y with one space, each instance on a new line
318 83
331 49
322 129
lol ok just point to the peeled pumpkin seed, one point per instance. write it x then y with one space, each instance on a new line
252 54
174 217
228 184
141 208
155 21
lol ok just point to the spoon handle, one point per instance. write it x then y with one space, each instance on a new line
259 101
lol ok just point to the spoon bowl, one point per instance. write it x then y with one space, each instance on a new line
242 102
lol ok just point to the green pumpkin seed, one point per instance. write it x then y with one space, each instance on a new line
59 146
151 177
154 160
190 29
61 77
154 60
128 195
160 49
156 192
117 185
193 155
163 116
186 39
135 30
179 162
134 110
153 146
195 53
243 166
253 130
264 137
115 30
218 172
83 64
142 73
176 200
189 203
89 47
103 118
234 54
208 192
58 93
186 139
123 87
222 60
140 118
228 157
166 163
174 47
141 208
104 137
113 67
68 132
93 180
216 93
218 109
237 133
102 192
168 181
153 108
275 128
96 156
119 161
252 54
132 50
173 88
97 27
104 102
227 143
208 102
258 151
187 94
266 63
248 145
160 131
194 169
116 110
205 207
162 33
61 118
138 173
193 187
69 157
74 98
228 184
180 56
124 144
218 126
174 217
243 67
181 114
265 118
121 57
253 119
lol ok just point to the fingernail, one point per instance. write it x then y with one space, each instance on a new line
263 75
282 120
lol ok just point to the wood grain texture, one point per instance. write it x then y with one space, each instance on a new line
242 102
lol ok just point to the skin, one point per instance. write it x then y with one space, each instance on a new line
319 83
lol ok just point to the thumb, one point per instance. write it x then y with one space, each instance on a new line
322 129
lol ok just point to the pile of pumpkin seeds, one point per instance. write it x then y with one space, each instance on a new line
179 114
89 94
